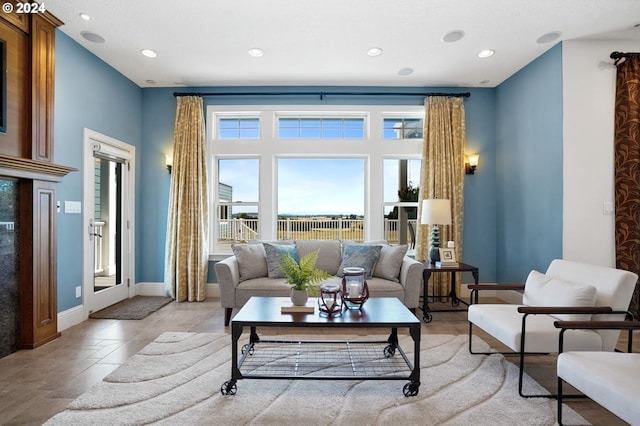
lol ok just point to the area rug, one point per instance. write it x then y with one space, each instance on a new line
176 380
136 308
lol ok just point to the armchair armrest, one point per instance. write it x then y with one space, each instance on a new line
496 286
550 310
597 325
475 289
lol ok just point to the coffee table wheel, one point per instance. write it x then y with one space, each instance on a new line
427 317
229 388
389 351
411 389
244 349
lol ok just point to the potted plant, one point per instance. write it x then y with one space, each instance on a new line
301 276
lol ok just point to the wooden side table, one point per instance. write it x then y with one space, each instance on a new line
430 268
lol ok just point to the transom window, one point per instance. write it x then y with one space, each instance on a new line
320 128
403 128
238 128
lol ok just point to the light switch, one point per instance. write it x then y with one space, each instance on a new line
73 207
607 207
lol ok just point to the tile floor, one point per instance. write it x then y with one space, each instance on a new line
36 384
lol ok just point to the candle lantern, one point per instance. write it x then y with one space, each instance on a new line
330 300
354 288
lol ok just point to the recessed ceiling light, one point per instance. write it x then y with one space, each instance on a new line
92 37
85 17
374 51
453 36
256 52
405 71
486 53
149 53
548 37
150 81
484 82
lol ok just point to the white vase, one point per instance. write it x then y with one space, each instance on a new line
299 297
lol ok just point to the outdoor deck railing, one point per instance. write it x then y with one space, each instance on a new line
244 230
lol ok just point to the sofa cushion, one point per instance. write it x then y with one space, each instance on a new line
390 262
252 260
545 290
274 254
360 255
329 256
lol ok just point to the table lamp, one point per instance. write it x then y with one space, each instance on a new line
435 212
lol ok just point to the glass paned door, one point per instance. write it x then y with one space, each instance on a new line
107 224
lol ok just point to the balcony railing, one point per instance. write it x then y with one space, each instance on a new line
244 230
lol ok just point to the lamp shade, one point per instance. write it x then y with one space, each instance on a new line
436 212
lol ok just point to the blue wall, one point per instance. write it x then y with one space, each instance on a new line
91 94
529 139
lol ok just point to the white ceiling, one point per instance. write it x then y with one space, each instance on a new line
325 42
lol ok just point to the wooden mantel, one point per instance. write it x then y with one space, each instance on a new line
32 169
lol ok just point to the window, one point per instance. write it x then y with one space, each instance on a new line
310 171
320 128
403 128
237 204
321 198
401 190
238 128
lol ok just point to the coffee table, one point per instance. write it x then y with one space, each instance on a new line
325 358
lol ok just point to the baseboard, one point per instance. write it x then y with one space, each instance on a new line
70 317
157 289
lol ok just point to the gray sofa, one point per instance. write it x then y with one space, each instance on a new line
250 271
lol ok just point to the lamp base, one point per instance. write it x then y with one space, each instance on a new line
434 246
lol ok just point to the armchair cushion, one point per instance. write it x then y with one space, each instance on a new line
252 260
274 253
545 290
611 379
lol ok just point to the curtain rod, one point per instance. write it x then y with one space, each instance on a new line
323 94
618 56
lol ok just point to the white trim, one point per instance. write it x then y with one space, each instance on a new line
119 151
70 317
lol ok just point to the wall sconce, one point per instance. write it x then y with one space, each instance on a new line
168 160
471 164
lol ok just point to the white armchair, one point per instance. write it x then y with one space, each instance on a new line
612 379
569 291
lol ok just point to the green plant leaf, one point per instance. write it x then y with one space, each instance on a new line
302 275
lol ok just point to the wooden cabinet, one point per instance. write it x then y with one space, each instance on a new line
26 154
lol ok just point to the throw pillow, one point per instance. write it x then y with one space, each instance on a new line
390 262
330 254
274 254
252 260
360 255
545 290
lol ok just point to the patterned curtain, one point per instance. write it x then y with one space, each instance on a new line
187 255
627 169
442 175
